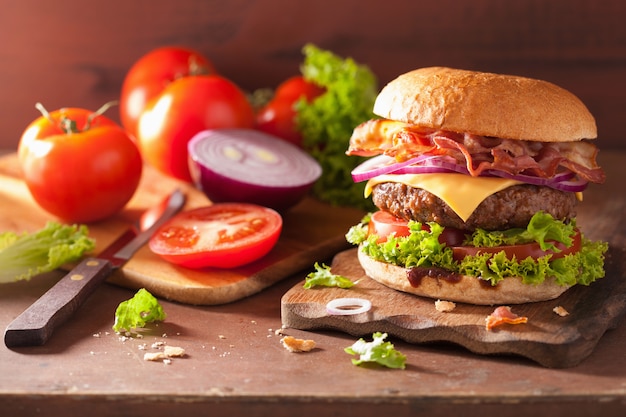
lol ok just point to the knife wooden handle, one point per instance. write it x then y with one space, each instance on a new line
36 324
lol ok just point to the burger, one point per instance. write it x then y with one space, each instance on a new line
476 178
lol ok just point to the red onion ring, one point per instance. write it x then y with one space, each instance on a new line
378 165
346 306
562 181
384 164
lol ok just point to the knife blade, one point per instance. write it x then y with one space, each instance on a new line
37 323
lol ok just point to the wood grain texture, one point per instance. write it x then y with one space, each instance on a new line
301 243
235 364
65 53
548 339
39 321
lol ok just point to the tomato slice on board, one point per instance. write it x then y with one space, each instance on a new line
383 224
223 235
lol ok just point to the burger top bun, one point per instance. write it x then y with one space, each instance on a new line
486 104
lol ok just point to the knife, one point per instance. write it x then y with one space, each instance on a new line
37 323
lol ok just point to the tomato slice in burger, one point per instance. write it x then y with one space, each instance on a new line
383 224
223 235
521 251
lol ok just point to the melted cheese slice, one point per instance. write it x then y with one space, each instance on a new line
462 193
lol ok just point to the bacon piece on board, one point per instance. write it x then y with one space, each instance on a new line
502 315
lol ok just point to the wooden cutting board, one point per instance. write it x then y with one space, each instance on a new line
548 339
307 237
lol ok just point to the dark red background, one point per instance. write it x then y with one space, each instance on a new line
75 53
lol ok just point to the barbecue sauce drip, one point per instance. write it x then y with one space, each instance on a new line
416 274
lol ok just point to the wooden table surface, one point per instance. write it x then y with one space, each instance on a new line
235 363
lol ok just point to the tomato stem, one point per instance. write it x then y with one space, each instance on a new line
68 125
99 112
43 111
195 68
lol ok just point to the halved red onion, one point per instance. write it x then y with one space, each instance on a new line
245 165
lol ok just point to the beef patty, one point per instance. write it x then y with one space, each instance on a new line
511 207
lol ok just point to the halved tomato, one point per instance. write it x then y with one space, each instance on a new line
223 235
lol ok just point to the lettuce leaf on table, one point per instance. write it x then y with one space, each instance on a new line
136 312
377 351
25 255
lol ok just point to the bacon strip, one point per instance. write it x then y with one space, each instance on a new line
502 315
478 153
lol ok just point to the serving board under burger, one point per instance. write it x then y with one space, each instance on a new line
547 338
307 236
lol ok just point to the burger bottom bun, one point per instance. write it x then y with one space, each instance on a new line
466 289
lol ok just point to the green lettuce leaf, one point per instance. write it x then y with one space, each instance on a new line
541 229
422 248
326 123
25 255
377 351
135 313
323 277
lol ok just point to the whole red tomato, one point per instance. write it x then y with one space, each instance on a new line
295 87
78 165
147 78
184 108
278 117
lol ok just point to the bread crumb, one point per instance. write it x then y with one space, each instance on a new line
154 356
165 355
444 306
560 311
174 352
297 345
